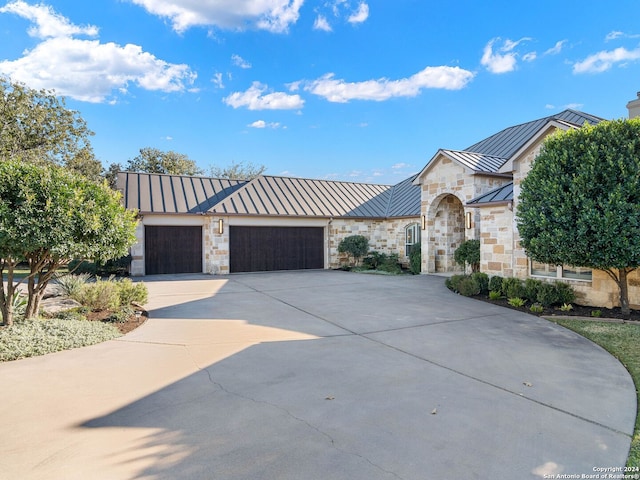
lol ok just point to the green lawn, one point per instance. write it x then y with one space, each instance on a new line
622 340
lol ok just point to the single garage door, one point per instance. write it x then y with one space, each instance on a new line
172 249
260 249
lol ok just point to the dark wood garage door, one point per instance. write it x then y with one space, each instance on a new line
172 249
260 249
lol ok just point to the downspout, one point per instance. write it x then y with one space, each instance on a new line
328 262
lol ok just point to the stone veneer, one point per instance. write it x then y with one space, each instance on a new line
385 236
443 181
496 240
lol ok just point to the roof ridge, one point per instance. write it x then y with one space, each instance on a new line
328 180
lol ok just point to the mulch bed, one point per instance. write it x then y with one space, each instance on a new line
132 322
577 311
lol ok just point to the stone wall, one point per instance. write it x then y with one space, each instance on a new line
447 178
216 246
385 236
496 240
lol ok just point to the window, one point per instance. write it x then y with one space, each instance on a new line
412 236
560 271
577 273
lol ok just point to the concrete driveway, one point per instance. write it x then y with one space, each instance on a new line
318 375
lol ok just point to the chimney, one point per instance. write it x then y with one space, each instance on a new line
634 107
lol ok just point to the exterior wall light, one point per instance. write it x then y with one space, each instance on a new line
468 220
424 222
220 226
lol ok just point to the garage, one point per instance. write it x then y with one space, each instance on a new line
260 249
175 249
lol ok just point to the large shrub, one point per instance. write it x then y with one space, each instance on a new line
468 253
355 246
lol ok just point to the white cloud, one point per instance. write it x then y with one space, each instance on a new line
339 10
359 15
255 99
449 78
529 57
401 165
87 70
271 15
321 23
46 22
217 80
605 60
502 62
556 49
613 35
263 124
238 61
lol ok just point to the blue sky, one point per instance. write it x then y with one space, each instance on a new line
357 90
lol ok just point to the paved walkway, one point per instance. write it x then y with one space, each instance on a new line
318 375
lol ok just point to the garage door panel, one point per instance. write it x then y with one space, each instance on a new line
259 249
172 249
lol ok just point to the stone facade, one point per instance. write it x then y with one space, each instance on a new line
385 236
496 240
446 187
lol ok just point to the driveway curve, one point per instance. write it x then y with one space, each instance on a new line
319 375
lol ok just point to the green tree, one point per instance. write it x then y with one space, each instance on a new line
580 203
238 171
48 216
468 253
355 246
152 160
36 127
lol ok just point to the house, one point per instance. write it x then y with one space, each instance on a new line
193 224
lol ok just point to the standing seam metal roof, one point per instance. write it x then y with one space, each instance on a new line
508 141
267 195
500 194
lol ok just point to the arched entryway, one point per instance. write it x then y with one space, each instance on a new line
447 233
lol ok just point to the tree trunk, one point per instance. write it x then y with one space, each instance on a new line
6 297
624 292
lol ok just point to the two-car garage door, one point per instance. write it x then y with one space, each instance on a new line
260 249
178 249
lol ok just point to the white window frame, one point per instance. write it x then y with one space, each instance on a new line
415 228
558 273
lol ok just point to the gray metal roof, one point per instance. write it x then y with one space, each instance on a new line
500 194
508 141
267 195
405 199
158 193
287 196
477 162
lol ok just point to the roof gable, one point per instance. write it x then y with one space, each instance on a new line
494 154
507 142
